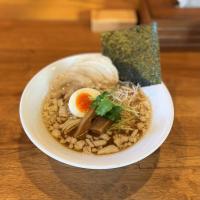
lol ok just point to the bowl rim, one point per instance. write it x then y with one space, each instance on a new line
89 166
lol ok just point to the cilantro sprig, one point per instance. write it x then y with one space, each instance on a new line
104 107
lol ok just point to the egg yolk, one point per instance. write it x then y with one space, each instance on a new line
83 102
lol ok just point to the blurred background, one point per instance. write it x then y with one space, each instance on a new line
67 10
178 20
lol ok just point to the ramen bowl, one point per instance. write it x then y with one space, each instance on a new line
31 118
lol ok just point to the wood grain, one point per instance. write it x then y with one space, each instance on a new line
112 19
65 10
178 28
171 173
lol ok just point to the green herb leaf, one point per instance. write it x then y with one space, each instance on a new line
114 114
104 107
97 101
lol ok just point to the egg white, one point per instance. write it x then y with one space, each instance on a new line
72 101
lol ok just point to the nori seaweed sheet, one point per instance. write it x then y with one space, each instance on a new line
135 53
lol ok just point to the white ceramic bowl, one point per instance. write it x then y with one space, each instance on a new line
30 115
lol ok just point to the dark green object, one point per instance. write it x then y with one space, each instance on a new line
135 53
104 107
115 114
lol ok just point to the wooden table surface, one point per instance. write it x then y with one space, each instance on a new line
171 173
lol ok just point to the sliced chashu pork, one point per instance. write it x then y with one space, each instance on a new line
103 63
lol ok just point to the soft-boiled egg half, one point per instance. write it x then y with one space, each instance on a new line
80 101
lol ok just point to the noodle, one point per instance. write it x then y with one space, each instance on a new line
134 122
